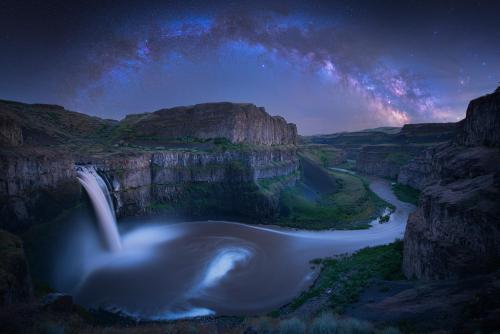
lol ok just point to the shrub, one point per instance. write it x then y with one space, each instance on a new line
324 324
292 326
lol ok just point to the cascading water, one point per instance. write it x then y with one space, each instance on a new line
103 205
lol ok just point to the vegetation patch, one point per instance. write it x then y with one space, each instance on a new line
344 278
406 193
324 155
272 184
351 206
348 164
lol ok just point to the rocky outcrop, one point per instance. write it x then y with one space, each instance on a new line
237 122
10 133
15 281
455 229
181 181
35 185
385 160
426 133
419 171
482 125
423 134
38 179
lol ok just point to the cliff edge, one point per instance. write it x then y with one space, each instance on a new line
237 122
455 230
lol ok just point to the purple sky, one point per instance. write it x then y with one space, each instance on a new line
326 66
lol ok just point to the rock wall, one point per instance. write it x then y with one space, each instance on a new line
385 160
15 280
456 227
236 122
40 145
198 182
37 185
481 125
10 133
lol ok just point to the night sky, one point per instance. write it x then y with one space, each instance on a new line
326 66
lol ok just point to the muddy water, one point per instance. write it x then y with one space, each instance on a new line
168 271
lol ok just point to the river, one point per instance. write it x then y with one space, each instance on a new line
170 271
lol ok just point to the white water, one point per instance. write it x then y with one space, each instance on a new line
103 205
171 271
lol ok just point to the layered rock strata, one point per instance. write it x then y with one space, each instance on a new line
239 123
456 227
41 144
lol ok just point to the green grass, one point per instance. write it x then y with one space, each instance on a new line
348 164
406 193
272 184
346 277
352 206
324 155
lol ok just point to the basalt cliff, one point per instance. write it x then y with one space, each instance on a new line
205 160
386 151
455 230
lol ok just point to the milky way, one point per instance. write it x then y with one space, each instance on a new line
326 66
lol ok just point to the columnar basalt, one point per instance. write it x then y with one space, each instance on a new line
237 122
38 178
455 229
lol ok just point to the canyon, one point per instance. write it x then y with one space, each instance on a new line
150 167
234 161
385 151
455 230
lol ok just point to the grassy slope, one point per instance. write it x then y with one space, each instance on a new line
344 278
351 206
323 155
406 193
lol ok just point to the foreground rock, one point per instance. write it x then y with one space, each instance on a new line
15 281
457 306
456 227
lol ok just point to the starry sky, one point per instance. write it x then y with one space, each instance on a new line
327 66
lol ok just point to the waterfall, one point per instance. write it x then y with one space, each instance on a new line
103 205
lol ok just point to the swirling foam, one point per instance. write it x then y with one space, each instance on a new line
224 262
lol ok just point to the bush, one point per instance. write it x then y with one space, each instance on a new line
292 326
324 324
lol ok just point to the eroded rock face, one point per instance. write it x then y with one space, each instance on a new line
237 122
15 281
482 122
35 185
385 160
199 181
44 142
456 227
10 133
